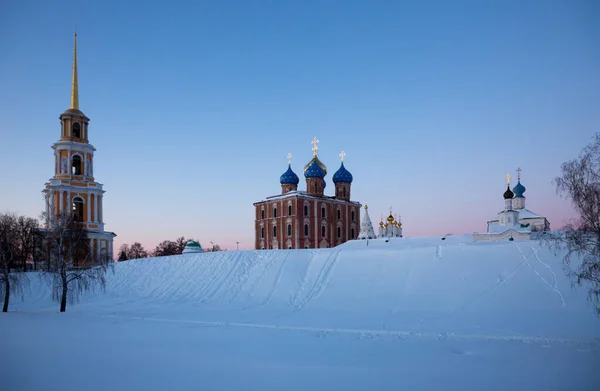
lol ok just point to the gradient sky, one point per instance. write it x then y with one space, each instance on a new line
195 105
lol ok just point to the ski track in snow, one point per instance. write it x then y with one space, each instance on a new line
555 281
361 333
551 286
438 252
298 302
277 281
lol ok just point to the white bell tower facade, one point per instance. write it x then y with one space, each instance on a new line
73 188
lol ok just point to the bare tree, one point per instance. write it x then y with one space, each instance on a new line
72 269
136 250
25 230
10 280
580 238
169 247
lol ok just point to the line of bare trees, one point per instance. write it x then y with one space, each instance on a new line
164 248
59 251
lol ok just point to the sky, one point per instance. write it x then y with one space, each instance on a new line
195 105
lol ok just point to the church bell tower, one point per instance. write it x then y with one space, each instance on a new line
73 189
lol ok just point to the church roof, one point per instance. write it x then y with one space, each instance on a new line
519 189
342 175
508 193
289 177
523 214
315 169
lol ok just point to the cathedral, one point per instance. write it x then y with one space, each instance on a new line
298 219
73 188
515 222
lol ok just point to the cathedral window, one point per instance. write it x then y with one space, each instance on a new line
274 231
289 210
262 232
262 214
323 231
76 165
305 229
76 130
352 233
352 215
305 210
289 230
316 188
339 213
275 212
323 213
78 209
339 232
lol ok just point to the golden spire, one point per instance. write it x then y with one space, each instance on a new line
74 84
508 179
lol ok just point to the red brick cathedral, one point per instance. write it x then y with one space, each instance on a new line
308 219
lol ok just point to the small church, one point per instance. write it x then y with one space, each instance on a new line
515 221
297 219
73 189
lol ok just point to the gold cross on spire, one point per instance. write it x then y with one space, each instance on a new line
390 210
314 143
519 173
508 179
289 157
342 155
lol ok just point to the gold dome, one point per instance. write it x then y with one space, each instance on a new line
390 218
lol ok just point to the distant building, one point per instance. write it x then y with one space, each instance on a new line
366 227
515 222
391 228
73 189
192 247
298 219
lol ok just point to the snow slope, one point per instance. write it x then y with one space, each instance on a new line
330 318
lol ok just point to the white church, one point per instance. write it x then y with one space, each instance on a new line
392 228
515 222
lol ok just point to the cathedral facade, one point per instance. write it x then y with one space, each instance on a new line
297 219
73 189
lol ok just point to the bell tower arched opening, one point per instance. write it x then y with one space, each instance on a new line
76 165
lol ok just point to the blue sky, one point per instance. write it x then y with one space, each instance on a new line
195 105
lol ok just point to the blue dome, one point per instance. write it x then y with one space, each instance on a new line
289 177
519 189
315 169
342 175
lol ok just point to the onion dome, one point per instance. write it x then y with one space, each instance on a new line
390 219
519 189
192 247
342 175
289 177
508 194
315 169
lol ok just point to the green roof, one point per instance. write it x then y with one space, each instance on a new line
191 243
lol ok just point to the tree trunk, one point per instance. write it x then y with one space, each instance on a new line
63 299
6 294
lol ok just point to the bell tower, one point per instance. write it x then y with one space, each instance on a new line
73 189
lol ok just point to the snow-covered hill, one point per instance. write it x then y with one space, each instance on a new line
413 289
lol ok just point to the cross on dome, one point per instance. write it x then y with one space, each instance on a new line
519 173
508 179
314 143
342 155
289 157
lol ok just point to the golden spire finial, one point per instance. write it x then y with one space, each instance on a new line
342 155
315 148
508 179
519 173
289 158
366 206
74 84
